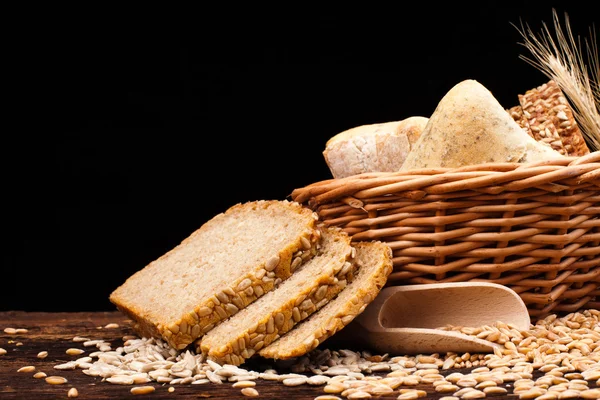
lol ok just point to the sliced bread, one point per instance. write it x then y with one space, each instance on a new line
229 262
374 261
308 289
546 115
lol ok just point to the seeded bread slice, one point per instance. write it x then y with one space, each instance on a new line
226 264
374 261
309 288
546 115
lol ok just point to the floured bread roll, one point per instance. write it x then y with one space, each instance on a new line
381 147
469 126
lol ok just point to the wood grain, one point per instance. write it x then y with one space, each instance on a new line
53 332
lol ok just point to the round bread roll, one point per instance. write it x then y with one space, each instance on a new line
380 147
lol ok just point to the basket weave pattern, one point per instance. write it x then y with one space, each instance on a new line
532 227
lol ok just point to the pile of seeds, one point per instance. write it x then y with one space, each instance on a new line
557 358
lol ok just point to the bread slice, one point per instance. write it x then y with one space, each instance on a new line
308 289
381 147
469 126
546 115
226 264
374 261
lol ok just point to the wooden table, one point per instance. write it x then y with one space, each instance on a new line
53 332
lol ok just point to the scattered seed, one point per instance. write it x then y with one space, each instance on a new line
28 368
74 351
72 392
2 351
249 392
171 389
10 331
19 331
42 354
244 384
112 325
56 380
142 389
39 375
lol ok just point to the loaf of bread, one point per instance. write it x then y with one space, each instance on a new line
309 288
546 115
229 262
469 126
374 261
380 147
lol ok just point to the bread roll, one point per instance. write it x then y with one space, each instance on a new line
469 126
380 147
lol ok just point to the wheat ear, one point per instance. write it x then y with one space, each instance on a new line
562 61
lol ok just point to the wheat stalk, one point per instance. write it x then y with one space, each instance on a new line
562 60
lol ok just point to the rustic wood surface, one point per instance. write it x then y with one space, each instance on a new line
53 332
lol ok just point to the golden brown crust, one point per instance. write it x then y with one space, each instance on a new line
339 312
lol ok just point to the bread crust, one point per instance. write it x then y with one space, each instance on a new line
380 147
340 311
468 127
546 115
276 319
228 299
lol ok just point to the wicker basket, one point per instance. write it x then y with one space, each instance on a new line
532 227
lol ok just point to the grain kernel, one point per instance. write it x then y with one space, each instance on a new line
74 351
2 351
42 354
249 392
72 393
56 380
142 389
39 375
28 368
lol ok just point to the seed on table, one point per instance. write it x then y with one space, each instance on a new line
473 394
171 389
243 384
39 375
327 397
359 395
10 331
410 395
80 339
142 389
28 368
249 392
74 351
42 354
112 325
72 393
2 351
56 380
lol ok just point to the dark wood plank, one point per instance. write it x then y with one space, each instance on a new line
53 332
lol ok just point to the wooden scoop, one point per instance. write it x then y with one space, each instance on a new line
406 319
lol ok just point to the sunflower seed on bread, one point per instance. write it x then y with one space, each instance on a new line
229 262
374 262
309 288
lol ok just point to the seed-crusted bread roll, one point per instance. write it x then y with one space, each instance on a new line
546 115
381 147
469 126
309 288
229 262
374 261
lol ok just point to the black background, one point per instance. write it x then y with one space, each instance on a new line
130 130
